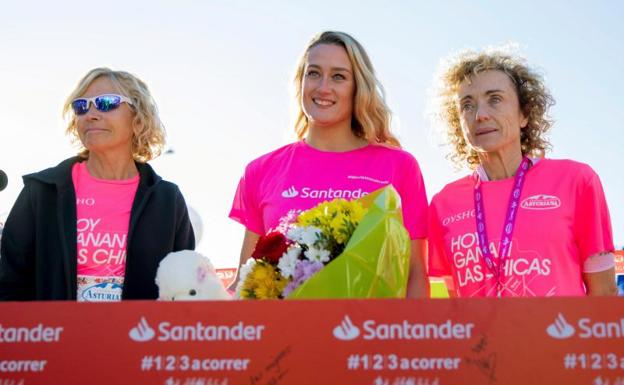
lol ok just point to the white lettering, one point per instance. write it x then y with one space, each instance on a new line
114 240
85 201
83 256
409 331
201 332
87 224
473 275
22 366
600 329
330 193
38 333
458 217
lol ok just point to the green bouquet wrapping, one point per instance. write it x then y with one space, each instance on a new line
338 249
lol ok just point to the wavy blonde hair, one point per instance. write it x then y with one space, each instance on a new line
535 99
148 139
371 115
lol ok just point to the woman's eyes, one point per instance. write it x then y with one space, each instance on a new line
317 74
469 106
466 106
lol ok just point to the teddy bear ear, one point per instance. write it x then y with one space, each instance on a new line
201 273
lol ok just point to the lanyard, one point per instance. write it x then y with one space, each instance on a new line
510 219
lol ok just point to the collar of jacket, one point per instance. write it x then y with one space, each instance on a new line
61 176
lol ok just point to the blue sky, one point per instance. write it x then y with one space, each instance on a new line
221 74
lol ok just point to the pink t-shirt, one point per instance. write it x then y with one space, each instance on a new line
563 219
298 176
103 217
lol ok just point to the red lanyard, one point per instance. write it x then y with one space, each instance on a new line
510 219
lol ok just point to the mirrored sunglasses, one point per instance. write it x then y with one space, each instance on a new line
102 103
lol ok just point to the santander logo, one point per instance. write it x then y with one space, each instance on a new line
290 193
541 202
142 332
346 331
560 329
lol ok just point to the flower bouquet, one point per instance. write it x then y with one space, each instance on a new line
338 249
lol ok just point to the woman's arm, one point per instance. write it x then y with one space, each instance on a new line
249 243
185 236
17 275
418 282
601 282
449 281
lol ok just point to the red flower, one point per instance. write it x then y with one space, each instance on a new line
270 247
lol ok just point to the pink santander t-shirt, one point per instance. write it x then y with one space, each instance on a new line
103 217
298 177
563 219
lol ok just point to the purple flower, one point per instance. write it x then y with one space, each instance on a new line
304 269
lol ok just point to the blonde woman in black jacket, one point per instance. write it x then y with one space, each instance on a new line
95 227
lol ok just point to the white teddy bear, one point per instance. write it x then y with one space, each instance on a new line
189 276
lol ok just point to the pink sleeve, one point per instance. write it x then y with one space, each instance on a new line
245 208
411 187
599 262
438 263
592 224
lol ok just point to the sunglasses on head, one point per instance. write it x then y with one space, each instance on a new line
103 103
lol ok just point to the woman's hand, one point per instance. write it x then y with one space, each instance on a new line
249 243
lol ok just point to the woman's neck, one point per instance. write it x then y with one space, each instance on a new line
111 167
334 139
501 165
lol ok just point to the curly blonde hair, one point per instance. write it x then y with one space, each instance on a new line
535 100
148 139
371 115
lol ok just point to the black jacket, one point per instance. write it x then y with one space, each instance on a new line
38 257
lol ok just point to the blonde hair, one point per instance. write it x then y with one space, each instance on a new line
371 115
148 139
533 96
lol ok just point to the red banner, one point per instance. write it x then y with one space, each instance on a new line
375 342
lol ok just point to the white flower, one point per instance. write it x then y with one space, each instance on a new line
288 261
242 275
319 255
287 221
310 236
294 234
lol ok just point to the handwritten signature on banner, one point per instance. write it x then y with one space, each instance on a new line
483 360
273 372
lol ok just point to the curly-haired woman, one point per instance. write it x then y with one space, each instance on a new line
521 224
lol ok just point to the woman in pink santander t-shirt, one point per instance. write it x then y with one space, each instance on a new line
345 150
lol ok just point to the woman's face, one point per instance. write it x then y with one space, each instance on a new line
490 114
328 87
105 132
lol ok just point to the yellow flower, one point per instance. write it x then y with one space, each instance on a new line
336 219
263 282
271 289
357 212
338 229
248 288
260 272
